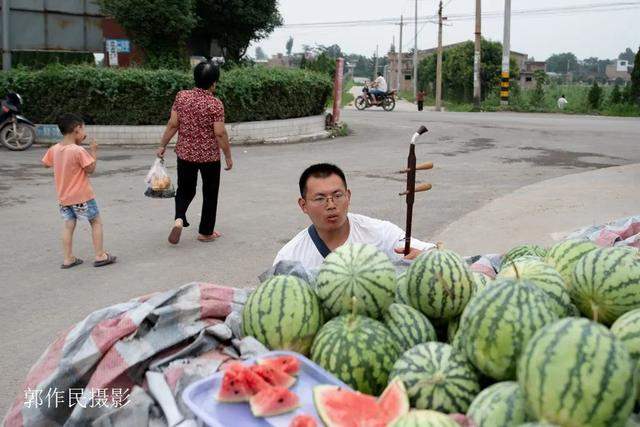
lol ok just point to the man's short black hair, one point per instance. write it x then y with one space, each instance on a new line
68 122
379 74
319 170
206 74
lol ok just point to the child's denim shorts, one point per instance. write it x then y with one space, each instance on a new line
87 210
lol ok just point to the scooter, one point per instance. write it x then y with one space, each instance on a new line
17 133
387 101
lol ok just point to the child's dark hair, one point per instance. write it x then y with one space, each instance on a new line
206 74
68 122
320 170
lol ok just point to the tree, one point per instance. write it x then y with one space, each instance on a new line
635 80
289 45
537 97
322 64
562 63
627 55
595 96
234 24
260 53
159 27
616 96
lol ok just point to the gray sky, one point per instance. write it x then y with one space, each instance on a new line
596 33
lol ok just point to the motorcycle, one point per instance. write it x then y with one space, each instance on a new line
17 133
387 101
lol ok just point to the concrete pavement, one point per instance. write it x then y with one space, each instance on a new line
482 159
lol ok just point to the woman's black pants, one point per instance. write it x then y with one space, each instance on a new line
187 181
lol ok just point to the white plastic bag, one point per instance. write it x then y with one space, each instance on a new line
158 181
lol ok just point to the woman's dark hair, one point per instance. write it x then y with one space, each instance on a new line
68 122
206 74
320 170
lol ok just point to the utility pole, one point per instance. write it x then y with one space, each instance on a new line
399 68
476 58
506 54
375 66
415 52
439 61
6 45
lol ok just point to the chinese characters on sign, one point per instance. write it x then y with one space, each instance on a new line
85 398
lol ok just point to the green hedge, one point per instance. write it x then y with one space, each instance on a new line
144 97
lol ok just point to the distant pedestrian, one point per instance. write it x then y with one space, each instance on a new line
562 102
420 100
72 166
198 117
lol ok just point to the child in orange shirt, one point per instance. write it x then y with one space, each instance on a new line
72 166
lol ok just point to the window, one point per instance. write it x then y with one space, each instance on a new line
407 76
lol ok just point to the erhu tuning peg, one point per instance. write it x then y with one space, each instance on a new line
419 188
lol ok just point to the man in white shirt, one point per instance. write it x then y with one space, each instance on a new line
325 198
562 102
379 87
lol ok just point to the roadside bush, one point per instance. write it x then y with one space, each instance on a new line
144 97
595 96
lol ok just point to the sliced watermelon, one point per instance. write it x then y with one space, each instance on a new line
273 401
394 401
303 420
288 364
274 377
338 407
233 387
254 382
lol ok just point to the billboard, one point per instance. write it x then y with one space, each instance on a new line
53 25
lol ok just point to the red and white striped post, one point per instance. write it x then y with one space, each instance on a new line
337 90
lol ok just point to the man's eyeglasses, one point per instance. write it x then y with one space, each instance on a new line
336 198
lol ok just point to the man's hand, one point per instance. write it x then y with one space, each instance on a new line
160 152
413 253
229 163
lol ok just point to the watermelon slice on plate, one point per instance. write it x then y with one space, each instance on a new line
303 420
273 376
287 363
338 407
273 401
233 387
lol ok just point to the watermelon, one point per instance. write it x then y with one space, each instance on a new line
627 330
254 382
563 257
356 278
498 323
402 293
283 313
437 377
606 283
338 407
408 326
303 420
523 250
358 350
544 277
425 418
480 281
499 405
233 387
287 363
452 329
273 401
274 377
439 284
576 373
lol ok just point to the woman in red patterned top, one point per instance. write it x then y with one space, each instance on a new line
198 117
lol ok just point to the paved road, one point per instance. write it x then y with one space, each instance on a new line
478 157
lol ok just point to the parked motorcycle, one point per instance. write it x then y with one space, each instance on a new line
386 101
17 133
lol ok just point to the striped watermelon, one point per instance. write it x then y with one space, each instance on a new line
425 418
356 274
498 323
283 313
576 373
402 292
480 281
627 330
500 405
452 330
544 277
437 377
358 350
439 284
606 283
563 256
523 250
408 326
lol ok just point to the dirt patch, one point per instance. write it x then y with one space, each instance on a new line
473 145
566 159
114 158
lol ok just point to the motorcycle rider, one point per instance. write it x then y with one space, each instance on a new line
379 86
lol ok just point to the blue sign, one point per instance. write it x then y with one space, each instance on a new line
124 46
